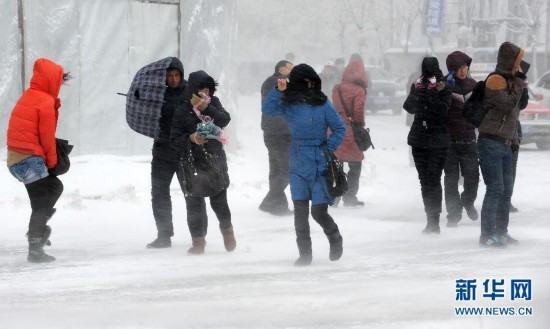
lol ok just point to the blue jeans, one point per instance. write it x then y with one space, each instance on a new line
29 170
495 161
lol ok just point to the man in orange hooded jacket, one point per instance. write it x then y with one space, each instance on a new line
32 151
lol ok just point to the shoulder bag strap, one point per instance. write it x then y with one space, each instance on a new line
351 120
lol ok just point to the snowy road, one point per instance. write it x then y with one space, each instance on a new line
390 276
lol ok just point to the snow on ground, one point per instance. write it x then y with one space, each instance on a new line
391 276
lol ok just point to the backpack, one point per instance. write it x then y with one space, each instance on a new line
473 109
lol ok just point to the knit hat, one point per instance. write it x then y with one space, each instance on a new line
430 68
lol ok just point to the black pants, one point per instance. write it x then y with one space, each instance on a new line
43 195
197 218
354 174
461 160
277 149
163 167
429 164
319 213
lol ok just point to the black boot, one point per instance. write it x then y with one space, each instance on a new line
336 246
46 236
433 225
36 251
304 247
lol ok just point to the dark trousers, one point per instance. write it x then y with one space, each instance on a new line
495 161
43 195
320 214
354 174
429 164
163 167
461 160
197 219
515 155
277 150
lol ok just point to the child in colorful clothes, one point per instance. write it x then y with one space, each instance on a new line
309 115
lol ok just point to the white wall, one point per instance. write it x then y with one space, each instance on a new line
102 43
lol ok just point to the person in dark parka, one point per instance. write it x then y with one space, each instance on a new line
165 159
199 96
429 100
277 142
497 133
462 154
309 114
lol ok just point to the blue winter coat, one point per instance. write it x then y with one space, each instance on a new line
308 127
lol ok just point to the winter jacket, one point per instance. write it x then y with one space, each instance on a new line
273 126
173 98
353 87
429 103
503 91
185 122
33 121
308 127
459 128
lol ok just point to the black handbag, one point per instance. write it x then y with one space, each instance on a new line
337 181
361 135
63 149
201 175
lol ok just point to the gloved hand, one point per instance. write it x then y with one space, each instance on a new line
200 103
197 139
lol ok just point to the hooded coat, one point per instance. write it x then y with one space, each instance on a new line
353 87
503 91
185 121
429 102
33 121
459 128
173 98
309 114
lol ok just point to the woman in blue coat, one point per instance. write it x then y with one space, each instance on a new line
309 115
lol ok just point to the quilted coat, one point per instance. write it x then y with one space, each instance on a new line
353 86
33 120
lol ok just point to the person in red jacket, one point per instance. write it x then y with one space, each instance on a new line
32 151
353 91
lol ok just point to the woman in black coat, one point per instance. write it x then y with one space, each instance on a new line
199 101
429 100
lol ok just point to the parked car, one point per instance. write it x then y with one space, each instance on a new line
535 123
541 89
382 91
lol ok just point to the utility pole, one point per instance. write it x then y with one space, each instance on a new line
22 44
547 38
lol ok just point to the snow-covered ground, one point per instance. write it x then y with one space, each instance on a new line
391 276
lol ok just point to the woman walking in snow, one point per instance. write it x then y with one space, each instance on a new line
200 102
309 115
429 100
32 151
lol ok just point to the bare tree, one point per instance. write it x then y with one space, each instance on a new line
408 13
525 18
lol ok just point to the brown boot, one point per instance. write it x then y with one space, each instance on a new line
229 239
198 246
